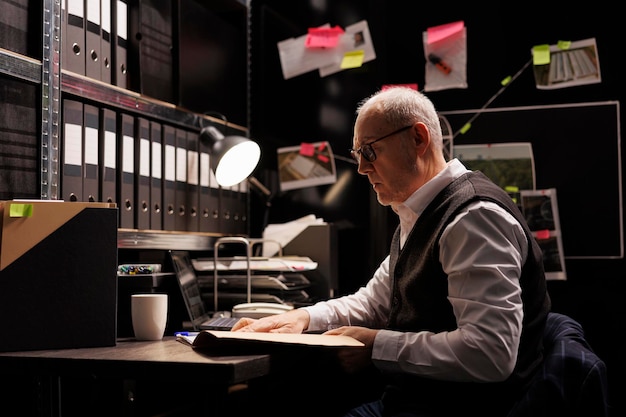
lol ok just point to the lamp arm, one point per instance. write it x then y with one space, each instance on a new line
259 186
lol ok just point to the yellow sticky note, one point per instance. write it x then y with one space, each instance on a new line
21 210
465 128
564 45
353 59
541 54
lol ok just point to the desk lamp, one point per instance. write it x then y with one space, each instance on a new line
235 156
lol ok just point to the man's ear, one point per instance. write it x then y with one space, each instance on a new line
421 136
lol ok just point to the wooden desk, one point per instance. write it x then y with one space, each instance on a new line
131 379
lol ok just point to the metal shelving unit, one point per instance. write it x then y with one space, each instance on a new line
54 81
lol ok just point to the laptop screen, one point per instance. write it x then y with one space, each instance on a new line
189 287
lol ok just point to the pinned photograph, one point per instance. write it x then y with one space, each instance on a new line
566 64
306 165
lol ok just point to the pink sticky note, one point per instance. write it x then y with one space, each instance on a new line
413 86
323 158
323 37
437 33
542 234
307 149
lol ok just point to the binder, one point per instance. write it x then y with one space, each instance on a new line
93 34
226 202
150 52
193 186
180 222
91 180
126 171
14 33
74 37
215 205
169 177
72 166
206 222
108 155
21 140
120 42
105 41
156 176
142 177
241 216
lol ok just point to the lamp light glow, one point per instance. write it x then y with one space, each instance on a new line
235 156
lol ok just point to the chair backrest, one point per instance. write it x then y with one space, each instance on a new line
572 380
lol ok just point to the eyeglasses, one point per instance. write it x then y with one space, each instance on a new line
368 152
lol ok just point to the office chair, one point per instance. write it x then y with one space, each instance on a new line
572 380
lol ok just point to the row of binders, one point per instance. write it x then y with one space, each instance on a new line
159 175
95 39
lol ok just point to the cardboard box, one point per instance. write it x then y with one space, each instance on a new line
58 275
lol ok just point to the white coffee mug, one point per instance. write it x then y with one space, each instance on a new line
149 315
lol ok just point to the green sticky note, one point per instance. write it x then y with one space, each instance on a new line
21 210
564 45
541 54
465 128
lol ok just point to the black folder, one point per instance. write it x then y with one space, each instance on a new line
193 186
169 177
108 157
19 109
72 151
119 42
93 35
156 176
208 205
151 49
142 174
91 177
15 35
126 170
105 41
241 215
73 53
180 222
228 206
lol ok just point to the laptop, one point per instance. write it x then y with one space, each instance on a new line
190 290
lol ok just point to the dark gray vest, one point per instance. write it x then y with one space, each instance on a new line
420 287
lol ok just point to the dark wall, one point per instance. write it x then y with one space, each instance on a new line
308 108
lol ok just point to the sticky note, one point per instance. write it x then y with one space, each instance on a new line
323 37
542 234
541 54
307 149
21 210
353 59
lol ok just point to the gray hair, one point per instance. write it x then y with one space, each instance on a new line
402 106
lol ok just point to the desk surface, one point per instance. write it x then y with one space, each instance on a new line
166 358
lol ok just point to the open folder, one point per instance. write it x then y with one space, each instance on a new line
217 339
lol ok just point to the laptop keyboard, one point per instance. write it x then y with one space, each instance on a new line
219 323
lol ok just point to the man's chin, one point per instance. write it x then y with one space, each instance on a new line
382 200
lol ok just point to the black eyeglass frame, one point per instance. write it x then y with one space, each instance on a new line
367 151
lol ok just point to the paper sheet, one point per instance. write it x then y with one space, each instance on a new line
286 232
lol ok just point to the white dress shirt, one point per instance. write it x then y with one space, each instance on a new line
482 251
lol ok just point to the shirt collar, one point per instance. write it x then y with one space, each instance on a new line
417 202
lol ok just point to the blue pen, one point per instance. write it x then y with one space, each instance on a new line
186 334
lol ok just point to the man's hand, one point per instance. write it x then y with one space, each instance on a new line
294 321
354 359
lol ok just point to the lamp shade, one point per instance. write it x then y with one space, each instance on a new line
234 157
